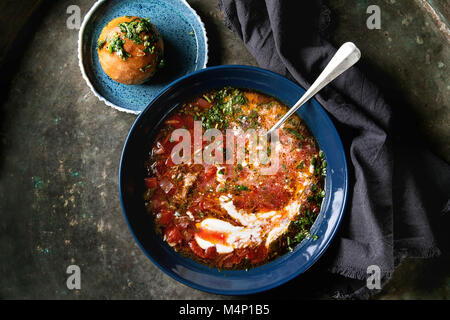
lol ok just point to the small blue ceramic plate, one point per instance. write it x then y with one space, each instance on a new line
187 271
185 51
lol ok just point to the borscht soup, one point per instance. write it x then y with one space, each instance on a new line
223 194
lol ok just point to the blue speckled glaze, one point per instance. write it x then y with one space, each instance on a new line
187 271
184 40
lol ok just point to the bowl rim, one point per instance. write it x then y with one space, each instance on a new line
86 78
269 286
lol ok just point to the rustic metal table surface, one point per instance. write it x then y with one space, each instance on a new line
60 149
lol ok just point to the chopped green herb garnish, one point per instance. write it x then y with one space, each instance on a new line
225 104
100 44
253 114
143 69
324 168
206 98
240 187
294 132
133 29
239 99
150 49
116 45
300 236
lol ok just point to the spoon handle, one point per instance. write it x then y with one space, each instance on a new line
347 55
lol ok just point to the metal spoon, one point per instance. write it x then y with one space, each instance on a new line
347 55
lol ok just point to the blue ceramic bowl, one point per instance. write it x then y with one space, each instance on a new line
187 271
185 48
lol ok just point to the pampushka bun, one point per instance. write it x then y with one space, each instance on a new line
130 50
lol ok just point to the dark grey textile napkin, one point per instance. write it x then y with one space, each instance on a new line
399 191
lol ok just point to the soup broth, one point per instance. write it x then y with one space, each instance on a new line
229 214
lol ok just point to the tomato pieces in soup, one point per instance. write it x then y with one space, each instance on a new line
233 212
